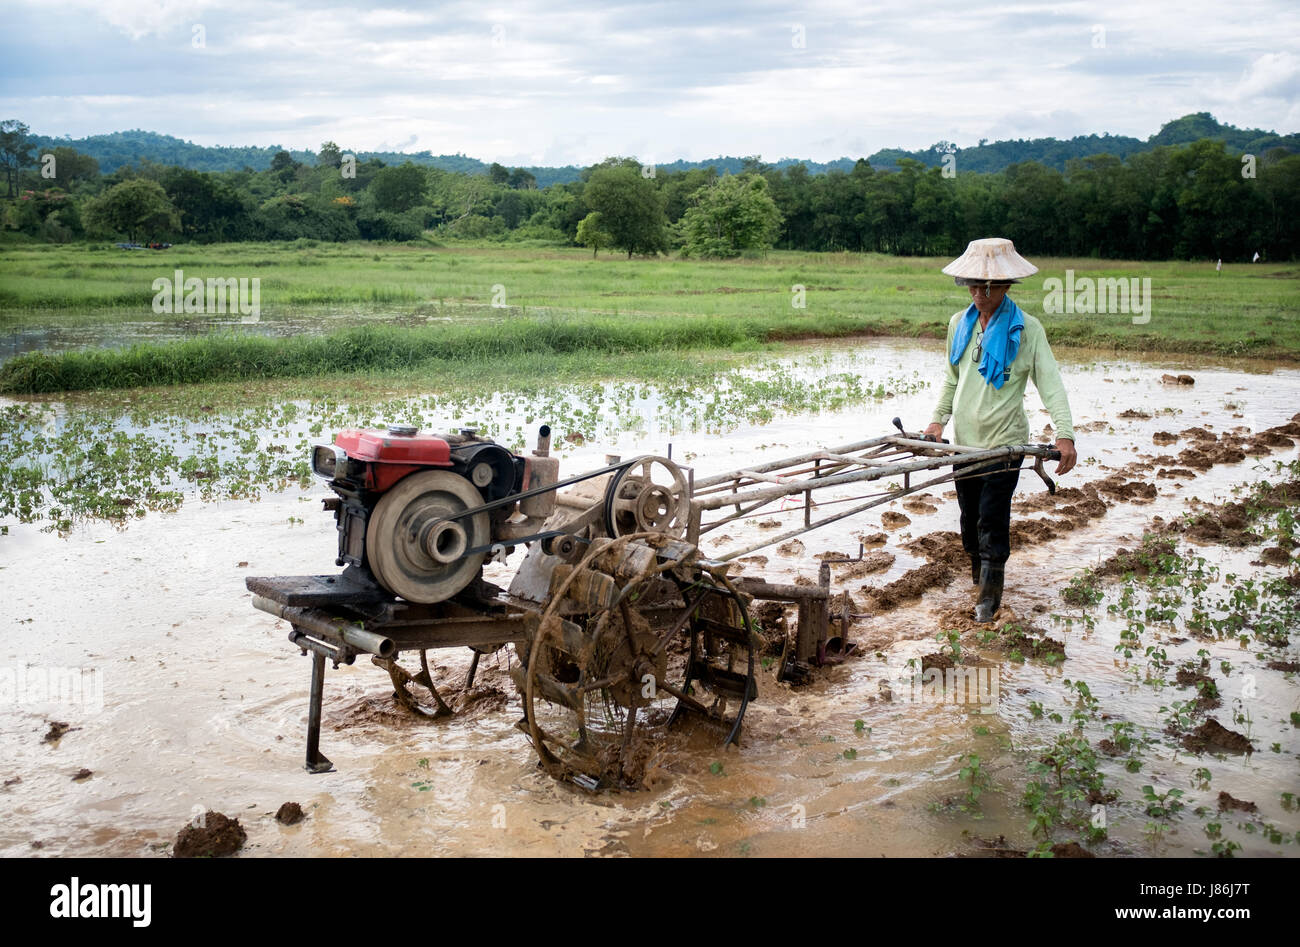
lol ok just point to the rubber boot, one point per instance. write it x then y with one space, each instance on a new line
975 566
990 593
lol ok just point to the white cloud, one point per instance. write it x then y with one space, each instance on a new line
574 81
1273 74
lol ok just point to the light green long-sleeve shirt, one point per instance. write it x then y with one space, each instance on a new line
984 416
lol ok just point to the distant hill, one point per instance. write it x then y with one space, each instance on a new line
120 148
1054 153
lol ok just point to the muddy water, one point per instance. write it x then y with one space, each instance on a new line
203 701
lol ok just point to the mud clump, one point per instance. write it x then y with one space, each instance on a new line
1196 459
1139 563
1175 473
1133 414
1226 526
57 729
938 661
869 564
1070 850
769 524
1213 735
1207 691
483 698
891 520
1035 646
1227 802
1177 380
912 585
758 561
919 507
1030 532
1133 490
1226 454
773 626
1287 666
1085 510
873 539
1271 438
289 814
1275 556
793 548
1163 438
944 547
216 836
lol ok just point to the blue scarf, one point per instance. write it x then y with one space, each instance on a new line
1000 343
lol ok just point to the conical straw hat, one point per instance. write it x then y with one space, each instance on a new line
993 258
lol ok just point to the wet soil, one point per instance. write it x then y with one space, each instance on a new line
215 836
869 564
912 585
290 813
1212 736
1228 803
186 726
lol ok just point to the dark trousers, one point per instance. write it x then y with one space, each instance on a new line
985 501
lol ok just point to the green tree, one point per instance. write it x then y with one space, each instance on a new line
731 216
135 208
399 189
592 234
631 208
331 156
208 207
499 173
15 152
521 179
283 166
72 167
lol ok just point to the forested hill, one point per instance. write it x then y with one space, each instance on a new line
1054 153
114 150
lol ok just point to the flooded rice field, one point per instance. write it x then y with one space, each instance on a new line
189 700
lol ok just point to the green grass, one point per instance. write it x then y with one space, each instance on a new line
559 300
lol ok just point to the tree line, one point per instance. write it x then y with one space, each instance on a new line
1188 201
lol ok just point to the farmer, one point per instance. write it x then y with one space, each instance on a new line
993 349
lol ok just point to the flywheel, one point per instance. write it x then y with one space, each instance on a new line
415 552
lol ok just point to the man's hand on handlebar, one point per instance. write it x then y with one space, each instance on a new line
1068 457
934 431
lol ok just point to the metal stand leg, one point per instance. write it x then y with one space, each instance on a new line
316 762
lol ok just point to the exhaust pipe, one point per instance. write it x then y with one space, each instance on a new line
333 632
542 470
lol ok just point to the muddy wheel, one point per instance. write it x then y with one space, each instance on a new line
600 691
719 666
402 687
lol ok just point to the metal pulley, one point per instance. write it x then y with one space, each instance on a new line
650 495
413 550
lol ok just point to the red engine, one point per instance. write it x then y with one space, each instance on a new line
405 504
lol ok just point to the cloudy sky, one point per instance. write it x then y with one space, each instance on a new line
561 81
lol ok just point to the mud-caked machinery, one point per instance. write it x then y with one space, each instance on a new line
620 625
